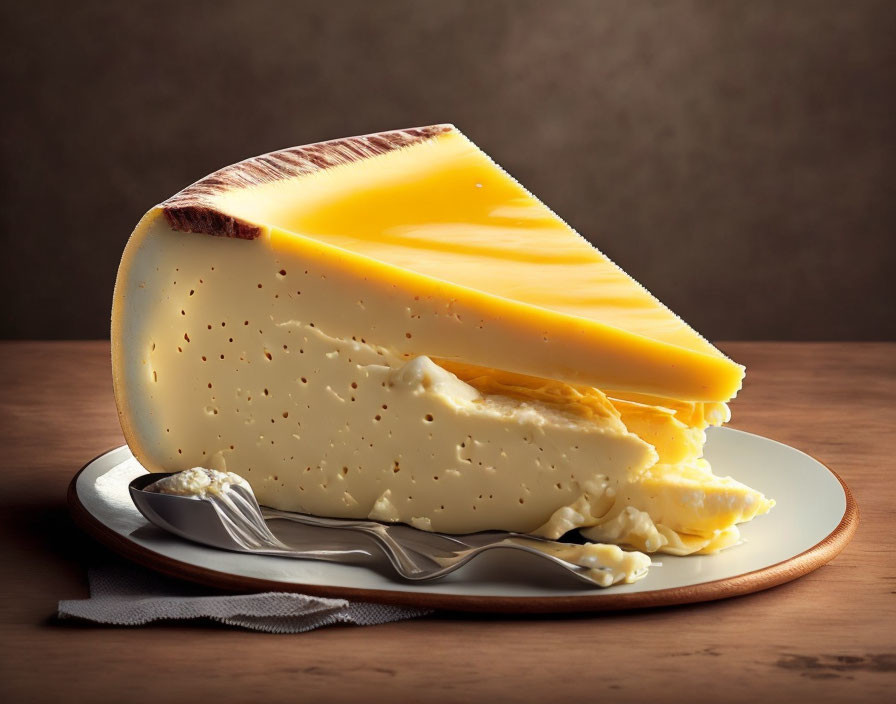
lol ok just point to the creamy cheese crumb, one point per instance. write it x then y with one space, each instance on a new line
197 482
422 375
593 504
607 564
384 510
629 527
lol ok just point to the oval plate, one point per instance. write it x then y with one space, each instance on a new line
814 519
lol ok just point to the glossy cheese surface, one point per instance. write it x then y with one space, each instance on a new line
439 218
443 209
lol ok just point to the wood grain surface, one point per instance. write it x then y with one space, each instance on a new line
826 637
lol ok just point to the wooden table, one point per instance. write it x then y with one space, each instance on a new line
826 637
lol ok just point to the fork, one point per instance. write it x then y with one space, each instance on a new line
233 520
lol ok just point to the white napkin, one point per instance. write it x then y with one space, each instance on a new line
126 595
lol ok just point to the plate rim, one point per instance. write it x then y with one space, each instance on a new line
739 585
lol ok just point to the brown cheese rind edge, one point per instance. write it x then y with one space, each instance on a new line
193 209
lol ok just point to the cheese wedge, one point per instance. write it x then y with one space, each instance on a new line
391 327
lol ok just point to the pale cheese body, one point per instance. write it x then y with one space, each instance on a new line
332 425
229 355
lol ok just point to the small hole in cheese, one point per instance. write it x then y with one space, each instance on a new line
428 417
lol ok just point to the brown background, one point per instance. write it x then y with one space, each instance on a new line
736 157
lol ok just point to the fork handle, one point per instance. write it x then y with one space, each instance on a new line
393 550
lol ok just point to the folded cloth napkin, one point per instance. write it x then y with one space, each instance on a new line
127 595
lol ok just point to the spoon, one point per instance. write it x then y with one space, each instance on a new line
232 520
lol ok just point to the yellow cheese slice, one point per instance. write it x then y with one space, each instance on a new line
457 260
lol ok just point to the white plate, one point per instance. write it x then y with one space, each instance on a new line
812 521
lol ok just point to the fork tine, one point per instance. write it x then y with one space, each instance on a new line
237 533
249 511
234 519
